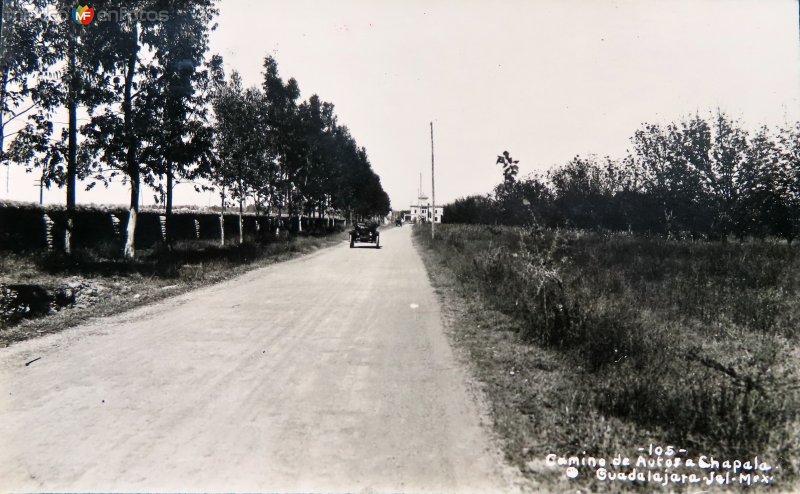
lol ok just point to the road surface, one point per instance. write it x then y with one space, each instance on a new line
326 373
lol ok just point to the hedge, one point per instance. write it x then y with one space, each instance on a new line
24 226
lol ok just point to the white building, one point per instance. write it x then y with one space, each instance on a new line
423 212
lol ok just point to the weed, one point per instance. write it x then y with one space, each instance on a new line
691 339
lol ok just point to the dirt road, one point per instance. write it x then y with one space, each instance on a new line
327 373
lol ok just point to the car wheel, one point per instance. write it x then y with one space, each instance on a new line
378 243
352 242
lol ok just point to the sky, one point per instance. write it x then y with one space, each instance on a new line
545 80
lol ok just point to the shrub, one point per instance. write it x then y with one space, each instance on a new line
694 339
22 227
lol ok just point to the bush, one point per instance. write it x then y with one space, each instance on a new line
691 338
99 228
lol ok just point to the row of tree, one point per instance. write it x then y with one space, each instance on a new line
704 177
160 110
289 156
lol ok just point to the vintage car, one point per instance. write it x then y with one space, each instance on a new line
365 233
398 222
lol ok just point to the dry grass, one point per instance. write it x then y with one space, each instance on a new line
606 343
117 285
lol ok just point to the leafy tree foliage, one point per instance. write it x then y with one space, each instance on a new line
176 87
66 75
510 168
21 58
288 156
701 177
245 166
160 111
471 210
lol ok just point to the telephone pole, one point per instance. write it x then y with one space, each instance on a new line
433 192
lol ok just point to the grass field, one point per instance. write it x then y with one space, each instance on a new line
598 344
102 284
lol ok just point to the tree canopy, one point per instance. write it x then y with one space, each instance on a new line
701 177
161 111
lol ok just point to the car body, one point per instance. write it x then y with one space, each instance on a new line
365 233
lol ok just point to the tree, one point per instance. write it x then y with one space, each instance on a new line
669 161
68 76
359 190
245 164
21 58
152 126
728 155
284 130
120 132
584 193
473 209
318 125
510 168
508 202
789 141
346 154
289 156
176 86
767 197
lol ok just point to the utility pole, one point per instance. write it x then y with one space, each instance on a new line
433 192
40 183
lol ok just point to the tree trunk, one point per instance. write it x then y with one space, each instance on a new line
222 220
168 209
130 233
3 96
131 158
290 205
72 143
279 223
241 221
